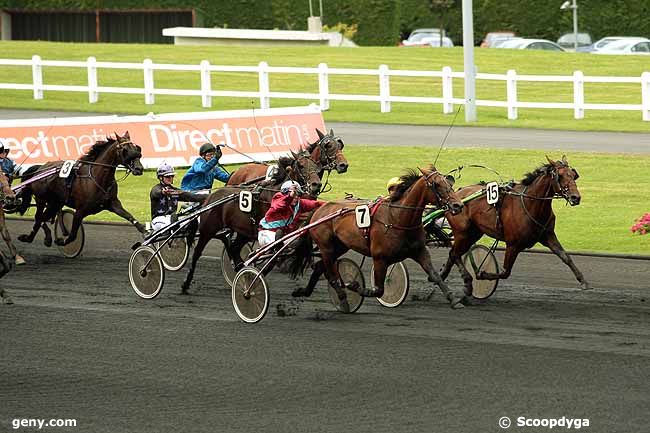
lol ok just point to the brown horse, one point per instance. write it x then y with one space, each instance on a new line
522 217
7 196
395 234
226 219
327 152
92 189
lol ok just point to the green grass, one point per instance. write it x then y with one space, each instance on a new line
613 187
490 61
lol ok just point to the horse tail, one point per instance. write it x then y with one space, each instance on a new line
302 256
25 195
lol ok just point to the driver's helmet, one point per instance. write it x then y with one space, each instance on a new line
165 169
207 147
393 182
286 186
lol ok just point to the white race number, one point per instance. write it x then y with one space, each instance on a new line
245 201
66 168
492 192
362 213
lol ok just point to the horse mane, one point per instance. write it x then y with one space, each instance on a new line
406 181
530 177
97 149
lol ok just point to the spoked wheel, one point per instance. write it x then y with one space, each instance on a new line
146 272
396 285
227 269
62 227
250 295
481 258
350 272
174 253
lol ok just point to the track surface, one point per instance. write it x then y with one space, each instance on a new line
79 344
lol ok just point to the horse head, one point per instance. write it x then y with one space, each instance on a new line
129 154
564 180
7 196
440 189
330 152
301 168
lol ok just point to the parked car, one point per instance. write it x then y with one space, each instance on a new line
600 43
492 37
630 46
418 36
531 44
567 40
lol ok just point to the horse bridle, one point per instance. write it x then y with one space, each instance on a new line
432 187
301 177
330 162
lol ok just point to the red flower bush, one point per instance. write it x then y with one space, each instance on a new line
642 225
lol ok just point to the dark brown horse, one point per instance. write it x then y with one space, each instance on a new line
222 221
327 152
92 190
523 216
395 234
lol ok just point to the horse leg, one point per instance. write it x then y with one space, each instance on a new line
7 238
512 251
49 215
318 270
330 256
198 250
462 244
38 221
234 247
423 258
551 241
116 207
379 273
5 266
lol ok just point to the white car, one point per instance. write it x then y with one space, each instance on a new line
531 44
600 43
630 46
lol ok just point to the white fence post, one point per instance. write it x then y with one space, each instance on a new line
149 97
511 94
447 91
265 100
93 94
645 95
323 86
384 88
578 95
206 84
37 77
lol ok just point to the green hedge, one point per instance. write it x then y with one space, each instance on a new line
381 21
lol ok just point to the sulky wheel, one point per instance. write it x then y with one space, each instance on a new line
62 227
396 285
146 272
174 253
350 272
250 295
481 258
226 264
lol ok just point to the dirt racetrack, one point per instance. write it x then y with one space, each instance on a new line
78 344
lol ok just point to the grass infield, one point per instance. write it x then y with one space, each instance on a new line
488 61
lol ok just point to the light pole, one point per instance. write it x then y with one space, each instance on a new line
568 5
468 56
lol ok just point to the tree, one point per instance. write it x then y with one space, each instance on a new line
441 9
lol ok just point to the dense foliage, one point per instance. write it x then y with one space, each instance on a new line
381 22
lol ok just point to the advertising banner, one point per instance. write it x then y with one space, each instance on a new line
249 135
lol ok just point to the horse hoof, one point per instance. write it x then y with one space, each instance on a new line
25 238
466 300
457 303
47 242
585 286
299 293
8 300
60 242
19 260
344 306
353 286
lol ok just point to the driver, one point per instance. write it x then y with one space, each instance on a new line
7 165
284 214
205 169
164 197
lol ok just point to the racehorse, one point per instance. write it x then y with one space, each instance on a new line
327 151
395 234
92 189
523 217
7 196
300 167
